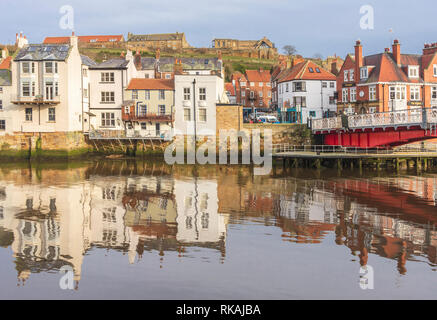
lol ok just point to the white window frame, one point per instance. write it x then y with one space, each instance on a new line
364 73
202 94
346 75
372 93
413 72
203 117
353 94
345 95
107 119
414 93
187 114
351 75
187 94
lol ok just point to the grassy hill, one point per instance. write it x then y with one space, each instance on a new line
231 63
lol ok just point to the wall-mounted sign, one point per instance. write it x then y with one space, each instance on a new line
415 103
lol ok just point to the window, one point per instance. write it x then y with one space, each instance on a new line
2 125
331 100
28 113
397 93
143 126
161 94
312 114
318 70
299 87
352 75
252 94
1 89
51 67
413 71
25 67
269 84
300 102
25 89
252 84
353 94
260 94
243 93
332 85
434 93
142 110
108 97
346 75
243 84
286 87
168 76
135 94
33 88
243 102
372 93
202 94
147 94
161 109
84 72
52 114
261 84
435 70
261 103
270 94
324 84
107 77
415 93
345 95
108 119
85 93
187 94
311 70
202 115
1 104
187 114
363 73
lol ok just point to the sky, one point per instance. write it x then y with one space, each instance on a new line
325 27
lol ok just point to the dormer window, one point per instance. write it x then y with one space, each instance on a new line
413 71
346 75
364 73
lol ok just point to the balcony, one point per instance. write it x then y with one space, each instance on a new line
36 100
151 117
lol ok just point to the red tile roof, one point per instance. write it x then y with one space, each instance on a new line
237 76
85 39
150 84
302 71
258 75
230 88
6 63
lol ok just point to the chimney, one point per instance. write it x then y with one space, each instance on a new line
137 61
158 54
387 50
129 55
358 59
73 40
334 69
397 52
178 68
430 49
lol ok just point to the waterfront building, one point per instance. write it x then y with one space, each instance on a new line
388 81
148 107
305 91
47 92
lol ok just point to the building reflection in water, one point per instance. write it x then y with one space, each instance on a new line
53 218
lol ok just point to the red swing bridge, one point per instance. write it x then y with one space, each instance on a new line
377 130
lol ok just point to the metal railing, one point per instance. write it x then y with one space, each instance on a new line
319 149
130 134
370 120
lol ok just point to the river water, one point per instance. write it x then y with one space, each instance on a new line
145 230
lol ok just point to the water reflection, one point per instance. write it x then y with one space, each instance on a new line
55 217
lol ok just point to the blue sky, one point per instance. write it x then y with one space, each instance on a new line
313 26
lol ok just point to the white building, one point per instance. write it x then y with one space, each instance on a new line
6 108
196 97
306 91
47 91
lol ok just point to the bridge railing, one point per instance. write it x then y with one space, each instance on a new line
369 120
327 123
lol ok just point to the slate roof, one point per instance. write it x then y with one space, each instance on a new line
118 63
5 78
166 64
41 52
87 61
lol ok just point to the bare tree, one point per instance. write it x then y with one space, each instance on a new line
289 50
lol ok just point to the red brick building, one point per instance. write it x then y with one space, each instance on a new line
253 89
388 81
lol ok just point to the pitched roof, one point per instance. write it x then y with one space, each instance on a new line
41 52
6 63
230 88
258 75
307 70
156 37
87 61
118 63
150 84
5 77
238 76
85 39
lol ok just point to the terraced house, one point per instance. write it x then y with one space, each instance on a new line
388 81
148 109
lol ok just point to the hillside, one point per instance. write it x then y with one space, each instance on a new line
231 63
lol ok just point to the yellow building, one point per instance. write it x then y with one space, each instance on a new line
169 41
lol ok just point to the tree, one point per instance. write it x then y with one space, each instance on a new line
289 50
